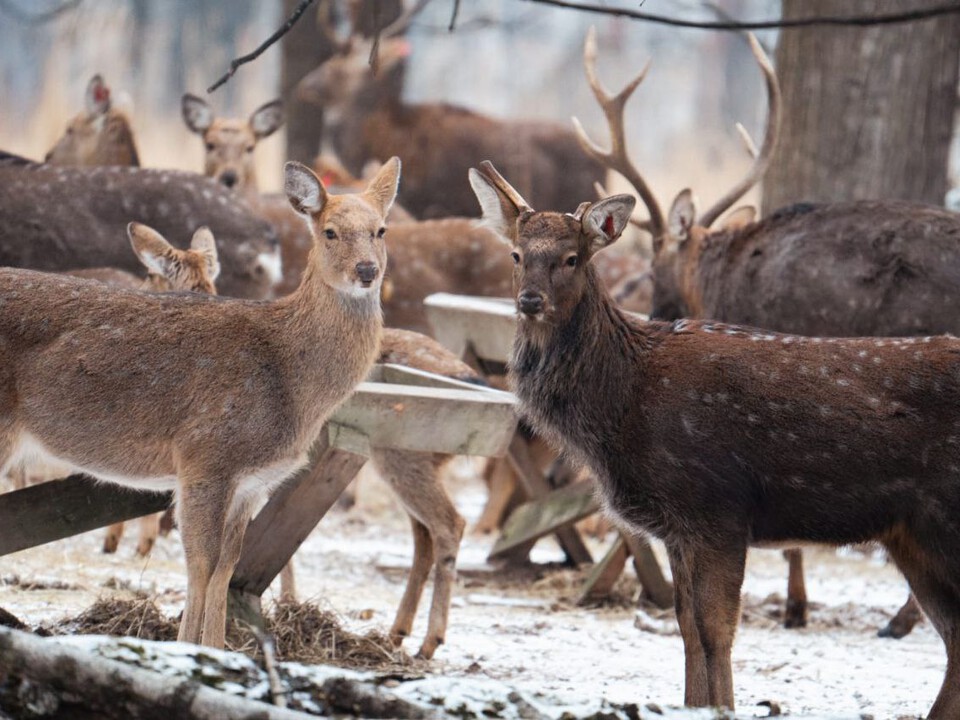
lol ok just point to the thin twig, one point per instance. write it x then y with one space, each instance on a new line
278 693
856 20
234 64
11 8
453 16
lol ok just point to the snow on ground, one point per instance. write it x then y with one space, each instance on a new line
522 626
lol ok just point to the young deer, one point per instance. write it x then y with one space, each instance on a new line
116 370
100 135
881 268
716 437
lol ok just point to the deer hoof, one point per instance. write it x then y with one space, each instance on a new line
795 615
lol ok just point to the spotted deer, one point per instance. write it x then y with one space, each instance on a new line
715 437
98 135
879 268
218 398
63 218
364 118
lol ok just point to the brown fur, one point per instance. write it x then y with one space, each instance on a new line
221 398
715 437
438 142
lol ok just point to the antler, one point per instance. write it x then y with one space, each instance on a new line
340 44
403 22
617 157
762 160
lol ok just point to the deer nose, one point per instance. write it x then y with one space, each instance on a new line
229 178
367 272
530 303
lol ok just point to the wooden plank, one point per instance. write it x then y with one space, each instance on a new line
536 518
656 588
291 514
444 420
605 574
538 487
488 324
402 375
59 509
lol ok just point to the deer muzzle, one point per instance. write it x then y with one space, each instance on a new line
530 303
367 272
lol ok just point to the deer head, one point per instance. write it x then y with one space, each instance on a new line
551 251
347 230
100 135
229 142
172 270
677 243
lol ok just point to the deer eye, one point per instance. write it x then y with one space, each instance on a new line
571 261
381 232
331 234
516 257
210 147
250 149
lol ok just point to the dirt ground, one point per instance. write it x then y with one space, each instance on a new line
521 626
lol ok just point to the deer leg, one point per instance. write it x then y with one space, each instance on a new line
717 578
288 583
149 530
501 484
422 562
695 692
795 612
201 511
904 621
111 541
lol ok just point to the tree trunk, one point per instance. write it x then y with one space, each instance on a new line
868 112
304 48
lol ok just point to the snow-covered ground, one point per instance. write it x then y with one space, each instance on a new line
523 628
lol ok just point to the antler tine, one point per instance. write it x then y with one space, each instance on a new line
617 157
487 168
748 142
340 45
771 135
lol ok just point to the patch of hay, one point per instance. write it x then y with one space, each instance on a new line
139 618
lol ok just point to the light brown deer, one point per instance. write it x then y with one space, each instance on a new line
220 398
99 135
845 269
716 437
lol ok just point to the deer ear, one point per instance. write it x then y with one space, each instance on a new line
304 190
97 98
196 113
382 189
605 220
153 251
741 217
267 119
683 213
501 204
204 244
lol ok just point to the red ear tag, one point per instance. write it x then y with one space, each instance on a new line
404 48
101 94
328 179
608 226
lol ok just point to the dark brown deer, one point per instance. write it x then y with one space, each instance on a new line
63 218
364 119
99 135
845 269
716 437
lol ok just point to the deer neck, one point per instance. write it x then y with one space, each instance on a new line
586 363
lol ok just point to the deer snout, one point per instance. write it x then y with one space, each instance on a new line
530 303
229 178
367 272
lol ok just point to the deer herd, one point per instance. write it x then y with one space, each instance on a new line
796 383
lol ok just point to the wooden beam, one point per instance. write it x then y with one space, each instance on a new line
291 514
59 509
656 588
536 518
489 324
605 573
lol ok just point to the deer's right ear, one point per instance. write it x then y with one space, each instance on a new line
204 244
153 251
683 213
97 98
196 113
382 189
304 189
739 218
501 204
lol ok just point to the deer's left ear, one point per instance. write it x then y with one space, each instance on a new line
605 220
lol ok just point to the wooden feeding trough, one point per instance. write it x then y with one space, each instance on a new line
481 330
396 407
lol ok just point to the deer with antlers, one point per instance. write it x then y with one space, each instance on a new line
717 437
124 386
881 268
365 119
